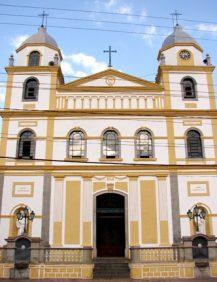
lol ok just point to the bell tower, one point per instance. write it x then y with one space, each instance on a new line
185 74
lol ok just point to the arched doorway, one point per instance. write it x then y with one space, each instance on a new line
110 225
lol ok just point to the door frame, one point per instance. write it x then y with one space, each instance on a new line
126 251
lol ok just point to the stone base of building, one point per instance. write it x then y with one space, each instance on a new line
42 271
85 271
162 270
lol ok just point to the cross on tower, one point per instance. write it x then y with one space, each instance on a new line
176 16
44 19
110 51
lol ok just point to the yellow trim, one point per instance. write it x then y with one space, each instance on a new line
72 212
49 141
134 233
211 90
3 147
179 44
97 186
29 106
119 112
86 234
166 83
145 159
190 122
182 62
113 72
108 160
57 233
162 69
123 186
31 184
164 233
40 44
171 140
148 212
76 159
9 90
190 194
26 123
190 105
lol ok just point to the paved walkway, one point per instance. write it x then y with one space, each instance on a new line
113 280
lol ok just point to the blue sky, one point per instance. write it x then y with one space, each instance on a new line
83 49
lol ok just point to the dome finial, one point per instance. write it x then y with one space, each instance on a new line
175 18
44 19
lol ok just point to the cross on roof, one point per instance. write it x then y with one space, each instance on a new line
44 19
110 51
175 17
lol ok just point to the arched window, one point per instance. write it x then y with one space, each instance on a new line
144 144
188 88
30 91
110 145
194 144
77 144
34 58
26 145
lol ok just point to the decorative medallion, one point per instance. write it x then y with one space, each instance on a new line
184 54
110 80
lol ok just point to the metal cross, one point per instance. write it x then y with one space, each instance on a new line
110 51
44 19
176 15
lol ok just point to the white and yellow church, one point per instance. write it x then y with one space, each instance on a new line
110 163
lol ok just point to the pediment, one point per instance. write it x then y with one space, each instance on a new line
111 79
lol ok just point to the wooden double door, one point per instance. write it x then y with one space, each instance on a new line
110 225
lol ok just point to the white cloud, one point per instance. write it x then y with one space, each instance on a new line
151 31
124 9
208 27
89 63
110 3
81 65
18 40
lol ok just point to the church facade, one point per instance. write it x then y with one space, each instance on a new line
109 163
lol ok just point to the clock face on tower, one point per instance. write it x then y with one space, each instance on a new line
184 54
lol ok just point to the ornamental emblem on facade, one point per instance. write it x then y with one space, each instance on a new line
110 80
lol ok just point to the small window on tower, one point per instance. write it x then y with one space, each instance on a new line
26 145
188 88
30 91
34 58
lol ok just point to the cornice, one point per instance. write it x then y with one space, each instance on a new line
119 112
33 69
179 44
103 167
72 88
40 44
172 68
143 83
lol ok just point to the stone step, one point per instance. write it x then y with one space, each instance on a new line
108 268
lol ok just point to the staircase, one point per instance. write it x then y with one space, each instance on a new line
111 267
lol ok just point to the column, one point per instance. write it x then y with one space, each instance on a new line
163 212
134 211
73 212
175 207
45 229
148 212
87 212
58 211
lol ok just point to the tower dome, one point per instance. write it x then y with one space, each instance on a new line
178 36
41 37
